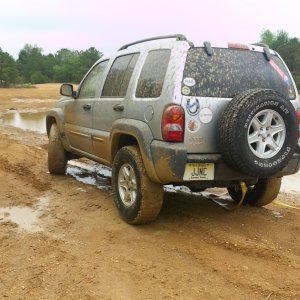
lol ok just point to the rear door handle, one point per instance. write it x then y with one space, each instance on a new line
87 106
118 107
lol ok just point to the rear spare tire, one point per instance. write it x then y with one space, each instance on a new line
257 134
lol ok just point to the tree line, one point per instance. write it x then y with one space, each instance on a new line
66 65
32 66
288 48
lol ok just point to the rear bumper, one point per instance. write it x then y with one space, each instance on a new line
170 160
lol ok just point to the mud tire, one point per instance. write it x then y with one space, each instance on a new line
262 193
57 156
148 199
234 126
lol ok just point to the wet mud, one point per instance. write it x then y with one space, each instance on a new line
61 236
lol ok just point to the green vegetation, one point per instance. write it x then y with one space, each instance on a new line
8 69
32 66
288 48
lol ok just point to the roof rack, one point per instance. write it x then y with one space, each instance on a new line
266 49
260 44
208 48
178 37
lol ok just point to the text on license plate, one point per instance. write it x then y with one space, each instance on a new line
199 171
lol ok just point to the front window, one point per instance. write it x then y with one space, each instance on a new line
91 83
228 72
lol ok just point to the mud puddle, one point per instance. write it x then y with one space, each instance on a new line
32 100
25 218
99 175
34 121
290 184
90 173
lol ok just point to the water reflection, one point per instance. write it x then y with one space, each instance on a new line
26 218
91 174
34 121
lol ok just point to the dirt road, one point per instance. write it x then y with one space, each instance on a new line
61 237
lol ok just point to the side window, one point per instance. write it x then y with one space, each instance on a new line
153 73
119 75
91 82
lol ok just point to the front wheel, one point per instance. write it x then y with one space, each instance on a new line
137 198
57 158
262 193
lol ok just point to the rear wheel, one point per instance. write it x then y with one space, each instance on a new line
137 198
57 158
260 194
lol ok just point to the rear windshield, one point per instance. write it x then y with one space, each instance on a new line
228 72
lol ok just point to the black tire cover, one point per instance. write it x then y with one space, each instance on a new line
234 127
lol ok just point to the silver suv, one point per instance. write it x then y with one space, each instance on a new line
163 111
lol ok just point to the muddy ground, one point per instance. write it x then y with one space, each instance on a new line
61 237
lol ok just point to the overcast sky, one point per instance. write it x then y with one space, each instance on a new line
108 24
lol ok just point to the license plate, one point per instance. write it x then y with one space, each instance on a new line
199 171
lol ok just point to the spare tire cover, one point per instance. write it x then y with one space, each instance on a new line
257 133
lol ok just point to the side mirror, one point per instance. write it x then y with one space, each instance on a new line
66 89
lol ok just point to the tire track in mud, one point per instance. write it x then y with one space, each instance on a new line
25 173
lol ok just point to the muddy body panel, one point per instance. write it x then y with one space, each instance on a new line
163 111
170 163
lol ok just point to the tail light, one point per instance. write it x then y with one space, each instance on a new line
172 124
298 117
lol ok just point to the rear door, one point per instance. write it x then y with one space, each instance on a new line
79 112
111 105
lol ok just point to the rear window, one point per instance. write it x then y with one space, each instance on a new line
152 77
119 75
228 72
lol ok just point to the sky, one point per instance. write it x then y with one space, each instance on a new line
108 24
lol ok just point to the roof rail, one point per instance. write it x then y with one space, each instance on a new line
260 44
178 37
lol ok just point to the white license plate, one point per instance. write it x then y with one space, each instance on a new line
199 171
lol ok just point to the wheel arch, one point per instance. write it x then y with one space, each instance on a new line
133 132
54 116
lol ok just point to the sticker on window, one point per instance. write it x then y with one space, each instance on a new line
185 90
188 81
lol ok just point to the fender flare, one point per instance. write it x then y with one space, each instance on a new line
55 115
143 135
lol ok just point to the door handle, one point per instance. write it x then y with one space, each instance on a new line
118 107
87 106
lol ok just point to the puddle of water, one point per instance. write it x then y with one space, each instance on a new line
32 100
91 174
100 176
290 184
34 121
25 217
